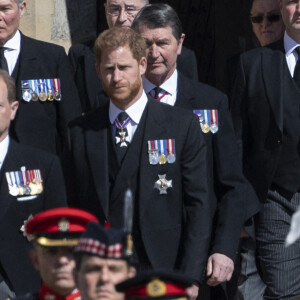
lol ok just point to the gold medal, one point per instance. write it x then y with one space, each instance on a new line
205 128
42 96
162 159
50 96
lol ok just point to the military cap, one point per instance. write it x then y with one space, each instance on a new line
156 284
102 242
58 227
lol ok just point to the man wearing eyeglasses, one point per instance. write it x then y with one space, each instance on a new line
266 114
267 24
120 13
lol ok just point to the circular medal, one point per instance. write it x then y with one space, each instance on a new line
214 128
33 188
50 96
27 190
153 157
14 190
57 96
205 128
42 96
21 190
171 158
26 96
34 96
39 188
162 159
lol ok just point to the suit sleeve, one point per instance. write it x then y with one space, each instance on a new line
231 186
197 225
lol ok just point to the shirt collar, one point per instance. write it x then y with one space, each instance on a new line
15 42
289 44
135 111
170 85
3 149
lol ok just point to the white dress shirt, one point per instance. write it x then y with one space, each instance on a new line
12 51
135 112
169 86
3 150
290 54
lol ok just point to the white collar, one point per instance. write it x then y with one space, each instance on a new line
169 85
289 44
14 43
3 149
135 111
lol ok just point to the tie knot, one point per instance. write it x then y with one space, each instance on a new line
122 117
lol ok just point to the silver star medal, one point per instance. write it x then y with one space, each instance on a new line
122 139
162 184
22 229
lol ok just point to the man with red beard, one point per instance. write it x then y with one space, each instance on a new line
155 149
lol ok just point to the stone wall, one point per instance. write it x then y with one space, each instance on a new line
47 20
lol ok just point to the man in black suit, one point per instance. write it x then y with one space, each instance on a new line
266 117
160 26
31 180
119 13
156 149
46 92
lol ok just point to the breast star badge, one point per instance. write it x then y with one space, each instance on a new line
162 184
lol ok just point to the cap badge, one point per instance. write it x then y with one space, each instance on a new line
63 225
156 288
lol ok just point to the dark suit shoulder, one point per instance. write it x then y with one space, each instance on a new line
44 48
92 119
201 92
80 50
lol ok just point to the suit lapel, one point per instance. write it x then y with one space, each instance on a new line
273 81
97 153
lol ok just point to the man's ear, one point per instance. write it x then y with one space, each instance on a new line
180 43
34 259
13 109
131 272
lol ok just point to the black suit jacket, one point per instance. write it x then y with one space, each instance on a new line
257 112
170 239
82 60
14 211
44 124
227 184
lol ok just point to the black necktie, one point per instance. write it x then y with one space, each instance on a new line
297 68
157 90
3 62
122 139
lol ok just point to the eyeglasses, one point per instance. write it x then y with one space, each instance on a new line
271 18
116 10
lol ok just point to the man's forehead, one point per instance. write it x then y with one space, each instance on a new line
265 5
137 3
96 260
